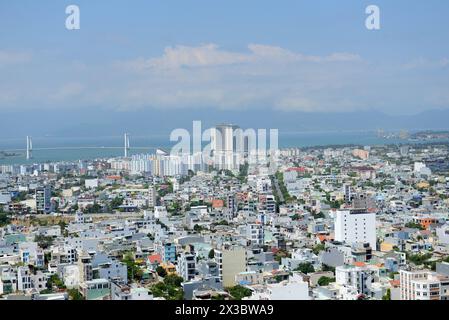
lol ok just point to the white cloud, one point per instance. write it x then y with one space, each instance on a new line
210 55
185 56
8 58
207 76
280 54
67 91
423 63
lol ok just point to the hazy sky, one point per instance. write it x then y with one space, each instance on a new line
291 56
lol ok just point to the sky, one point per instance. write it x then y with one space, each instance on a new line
168 58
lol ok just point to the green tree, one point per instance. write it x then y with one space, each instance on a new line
280 254
387 295
295 217
62 224
414 225
211 254
198 228
391 274
43 241
133 269
319 247
4 219
318 215
324 281
325 267
161 271
116 202
419 259
173 280
74 294
305 267
21 196
222 223
55 281
95 208
238 292
243 172
170 288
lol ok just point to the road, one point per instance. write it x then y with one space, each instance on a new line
278 189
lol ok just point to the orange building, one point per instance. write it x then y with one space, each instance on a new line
425 222
217 203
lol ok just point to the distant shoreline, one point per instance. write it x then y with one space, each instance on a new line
4 154
73 154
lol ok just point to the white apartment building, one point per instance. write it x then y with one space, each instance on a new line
186 266
423 285
39 281
30 253
224 146
263 184
354 225
421 169
8 279
269 203
23 279
91 183
42 197
292 289
71 276
357 280
443 234
160 212
5 197
152 197
65 254
255 233
140 294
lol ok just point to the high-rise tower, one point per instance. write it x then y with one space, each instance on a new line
29 154
126 144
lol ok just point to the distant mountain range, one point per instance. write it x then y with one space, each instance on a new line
91 122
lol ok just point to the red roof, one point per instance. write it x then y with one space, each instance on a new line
395 283
155 258
113 177
359 264
217 203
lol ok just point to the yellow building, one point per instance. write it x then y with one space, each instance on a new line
386 247
423 185
169 268
230 264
